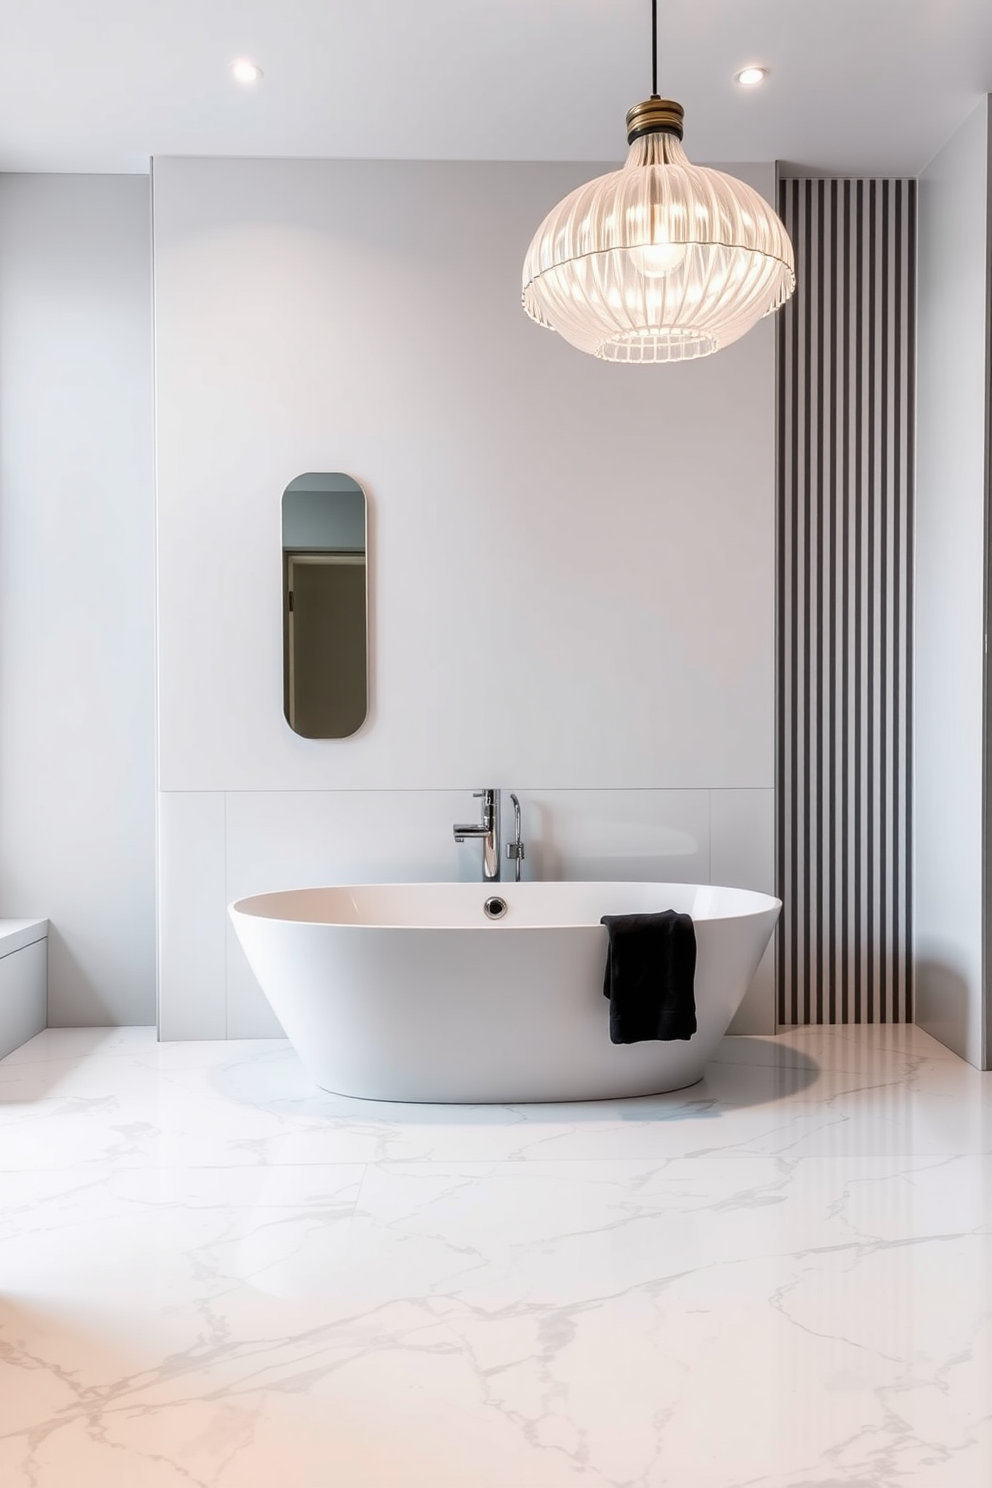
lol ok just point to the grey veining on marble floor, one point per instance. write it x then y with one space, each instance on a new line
213 1274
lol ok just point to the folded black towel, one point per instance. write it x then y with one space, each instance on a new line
650 971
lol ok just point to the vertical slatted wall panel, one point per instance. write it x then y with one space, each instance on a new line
846 399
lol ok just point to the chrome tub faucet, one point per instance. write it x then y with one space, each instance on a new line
487 831
515 849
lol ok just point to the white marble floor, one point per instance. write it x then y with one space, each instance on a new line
213 1274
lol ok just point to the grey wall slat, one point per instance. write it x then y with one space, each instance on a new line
844 604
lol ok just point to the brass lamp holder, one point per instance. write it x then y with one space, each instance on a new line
655 116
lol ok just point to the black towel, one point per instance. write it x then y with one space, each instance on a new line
650 971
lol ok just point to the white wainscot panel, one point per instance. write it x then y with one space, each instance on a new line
192 905
742 845
289 839
615 834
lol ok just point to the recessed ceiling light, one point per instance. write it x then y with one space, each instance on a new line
750 77
245 71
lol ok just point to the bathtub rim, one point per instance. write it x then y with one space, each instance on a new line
756 903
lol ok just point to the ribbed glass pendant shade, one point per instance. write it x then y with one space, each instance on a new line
661 261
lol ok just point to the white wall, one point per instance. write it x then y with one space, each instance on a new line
76 586
950 587
572 564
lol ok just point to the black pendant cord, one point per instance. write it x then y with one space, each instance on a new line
654 48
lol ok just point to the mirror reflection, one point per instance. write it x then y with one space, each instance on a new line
325 606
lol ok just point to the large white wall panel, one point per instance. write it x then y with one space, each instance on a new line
77 736
572 563
950 636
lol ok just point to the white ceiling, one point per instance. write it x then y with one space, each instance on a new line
856 86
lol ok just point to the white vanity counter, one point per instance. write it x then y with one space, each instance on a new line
23 981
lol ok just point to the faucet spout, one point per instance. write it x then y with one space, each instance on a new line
487 832
515 850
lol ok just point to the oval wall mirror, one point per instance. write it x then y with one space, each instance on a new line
325 606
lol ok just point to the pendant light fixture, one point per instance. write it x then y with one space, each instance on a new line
662 261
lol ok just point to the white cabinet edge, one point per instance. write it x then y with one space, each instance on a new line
16 934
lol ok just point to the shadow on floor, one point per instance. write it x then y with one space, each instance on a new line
751 1072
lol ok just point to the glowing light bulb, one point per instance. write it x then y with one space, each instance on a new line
655 260
750 77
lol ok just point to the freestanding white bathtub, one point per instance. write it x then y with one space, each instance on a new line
408 992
